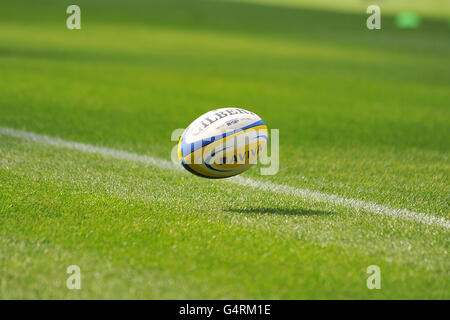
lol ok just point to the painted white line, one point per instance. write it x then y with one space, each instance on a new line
306 194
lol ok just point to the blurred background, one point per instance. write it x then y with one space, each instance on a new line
137 70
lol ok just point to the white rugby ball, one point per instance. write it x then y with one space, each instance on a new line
223 143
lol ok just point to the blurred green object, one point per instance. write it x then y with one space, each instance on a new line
407 20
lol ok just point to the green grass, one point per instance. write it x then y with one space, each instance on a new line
429 8
363 114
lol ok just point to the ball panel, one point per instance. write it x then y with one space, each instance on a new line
187 148
219 121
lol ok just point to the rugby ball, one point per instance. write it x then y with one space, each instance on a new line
223 143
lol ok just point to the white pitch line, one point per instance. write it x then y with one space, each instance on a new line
305 194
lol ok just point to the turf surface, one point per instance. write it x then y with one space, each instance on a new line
362 114
429 8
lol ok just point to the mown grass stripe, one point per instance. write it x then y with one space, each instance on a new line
306 194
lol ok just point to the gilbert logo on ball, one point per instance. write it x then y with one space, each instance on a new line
223 143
